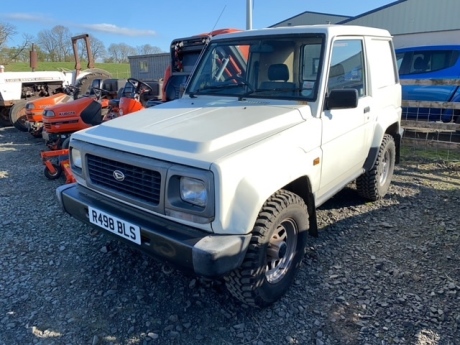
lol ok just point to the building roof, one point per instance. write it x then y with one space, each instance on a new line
399 17
311 18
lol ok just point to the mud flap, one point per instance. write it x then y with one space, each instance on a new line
313 229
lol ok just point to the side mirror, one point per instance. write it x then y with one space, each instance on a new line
342 99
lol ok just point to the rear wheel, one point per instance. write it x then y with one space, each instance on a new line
18 116
83 85
276 249
374 184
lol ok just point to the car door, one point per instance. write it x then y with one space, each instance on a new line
344 130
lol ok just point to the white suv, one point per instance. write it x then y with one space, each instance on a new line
225 180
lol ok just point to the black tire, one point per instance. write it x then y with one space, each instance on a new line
18 116
374 184
83 85
266 273
5 117
51 176
66 143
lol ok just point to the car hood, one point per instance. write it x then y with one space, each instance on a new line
200 129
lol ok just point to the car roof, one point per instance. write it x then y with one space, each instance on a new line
326 29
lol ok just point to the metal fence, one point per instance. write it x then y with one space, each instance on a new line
431 129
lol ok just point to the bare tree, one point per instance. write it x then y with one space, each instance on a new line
97 48
6 31
119 53
21 52
148 49
114 52
57 43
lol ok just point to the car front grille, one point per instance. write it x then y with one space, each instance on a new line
129 180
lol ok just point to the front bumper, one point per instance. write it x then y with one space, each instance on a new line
207 254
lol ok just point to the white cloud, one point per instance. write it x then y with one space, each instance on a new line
113 29
26 17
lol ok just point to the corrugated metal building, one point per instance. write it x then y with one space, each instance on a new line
312 18
411 22
150 66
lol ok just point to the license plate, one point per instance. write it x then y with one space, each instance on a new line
115 225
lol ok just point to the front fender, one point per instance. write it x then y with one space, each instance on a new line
245 180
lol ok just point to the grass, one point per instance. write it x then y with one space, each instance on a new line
409 153
118 70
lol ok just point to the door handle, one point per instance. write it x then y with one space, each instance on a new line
367 109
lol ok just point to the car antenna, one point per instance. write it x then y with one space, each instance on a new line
218 18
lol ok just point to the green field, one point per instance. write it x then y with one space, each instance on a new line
118 70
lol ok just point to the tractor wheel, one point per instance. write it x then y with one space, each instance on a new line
275 252
83 85
374 184
53 176
5 117
18 116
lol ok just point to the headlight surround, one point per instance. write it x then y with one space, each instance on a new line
190 194
193 191
76 158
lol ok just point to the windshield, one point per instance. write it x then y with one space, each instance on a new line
284 67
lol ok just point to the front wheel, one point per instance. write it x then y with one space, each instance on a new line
18 116
374 184
275 251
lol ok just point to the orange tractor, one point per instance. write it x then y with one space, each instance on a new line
84 80
62 120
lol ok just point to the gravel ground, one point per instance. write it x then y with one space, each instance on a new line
379 273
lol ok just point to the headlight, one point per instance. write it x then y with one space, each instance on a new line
30 106
190 194
48 113
76 158
193 191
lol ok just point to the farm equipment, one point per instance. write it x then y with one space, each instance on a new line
111 101
60 164
184 53
61 120
134 96
18 88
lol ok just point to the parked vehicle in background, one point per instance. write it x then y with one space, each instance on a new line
184 54
225 180
27 114
434 63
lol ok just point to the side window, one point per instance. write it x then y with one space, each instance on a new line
347 66
426 61
310 67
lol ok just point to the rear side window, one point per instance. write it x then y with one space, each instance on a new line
426 61
384 72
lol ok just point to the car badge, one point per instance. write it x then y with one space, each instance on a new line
118 175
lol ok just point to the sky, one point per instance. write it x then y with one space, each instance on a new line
157 22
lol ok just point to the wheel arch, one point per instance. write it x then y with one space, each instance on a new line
396 131
303 188
244 192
